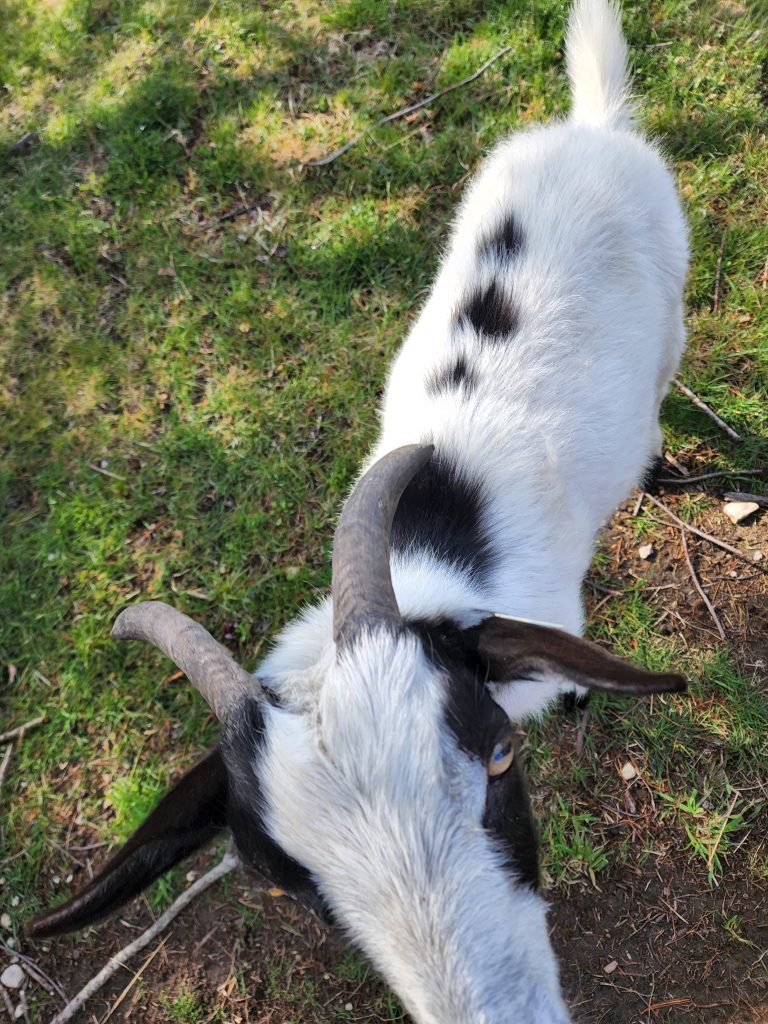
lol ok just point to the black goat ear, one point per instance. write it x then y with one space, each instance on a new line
191 813
516 649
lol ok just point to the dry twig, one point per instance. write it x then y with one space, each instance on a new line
581 733
716 845
20 730
36 971
702 593
706 536
706 409
323 161
105 472
710 476
759 499
133 980
668 457
7 1001
227 863
5 765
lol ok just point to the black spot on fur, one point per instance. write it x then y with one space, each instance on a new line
489 312
241 744
478 723
444 513
505 242
458 374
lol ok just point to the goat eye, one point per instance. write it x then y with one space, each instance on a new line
502 756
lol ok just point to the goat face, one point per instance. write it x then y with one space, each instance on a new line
384 791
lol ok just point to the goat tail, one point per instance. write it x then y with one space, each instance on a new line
596 58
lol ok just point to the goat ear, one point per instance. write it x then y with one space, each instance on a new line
192 812
516 649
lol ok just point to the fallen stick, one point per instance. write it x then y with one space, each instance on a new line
710 476
227 863
20 730
5 764
105 472
37 972
668 457
710 412
581 733
7 1001
323 161
134 979
759 499
706 536
702 593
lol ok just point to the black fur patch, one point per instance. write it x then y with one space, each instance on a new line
505 242
241 744
572 702
650 481
489 312
444 513
456 375
478 723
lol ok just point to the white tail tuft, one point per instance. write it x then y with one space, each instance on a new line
596 58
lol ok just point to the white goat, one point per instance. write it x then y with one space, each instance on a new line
370 769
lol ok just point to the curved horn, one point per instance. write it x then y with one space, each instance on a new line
209 667
362 581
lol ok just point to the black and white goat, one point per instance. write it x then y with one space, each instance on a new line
369 766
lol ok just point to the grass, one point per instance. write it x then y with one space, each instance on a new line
186 390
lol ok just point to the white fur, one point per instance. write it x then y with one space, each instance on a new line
396 842
362 782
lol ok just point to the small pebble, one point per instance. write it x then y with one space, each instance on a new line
348 1007
628 772
191 876
56 879
18 1013
16 901
738 511
13 976
757 556
5 921
69 878
611 967
11 942
645 551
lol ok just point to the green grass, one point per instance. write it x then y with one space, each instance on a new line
186 1008
221 372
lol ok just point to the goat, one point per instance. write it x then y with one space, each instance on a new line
369 766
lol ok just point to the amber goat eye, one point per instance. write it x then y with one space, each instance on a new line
502 757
